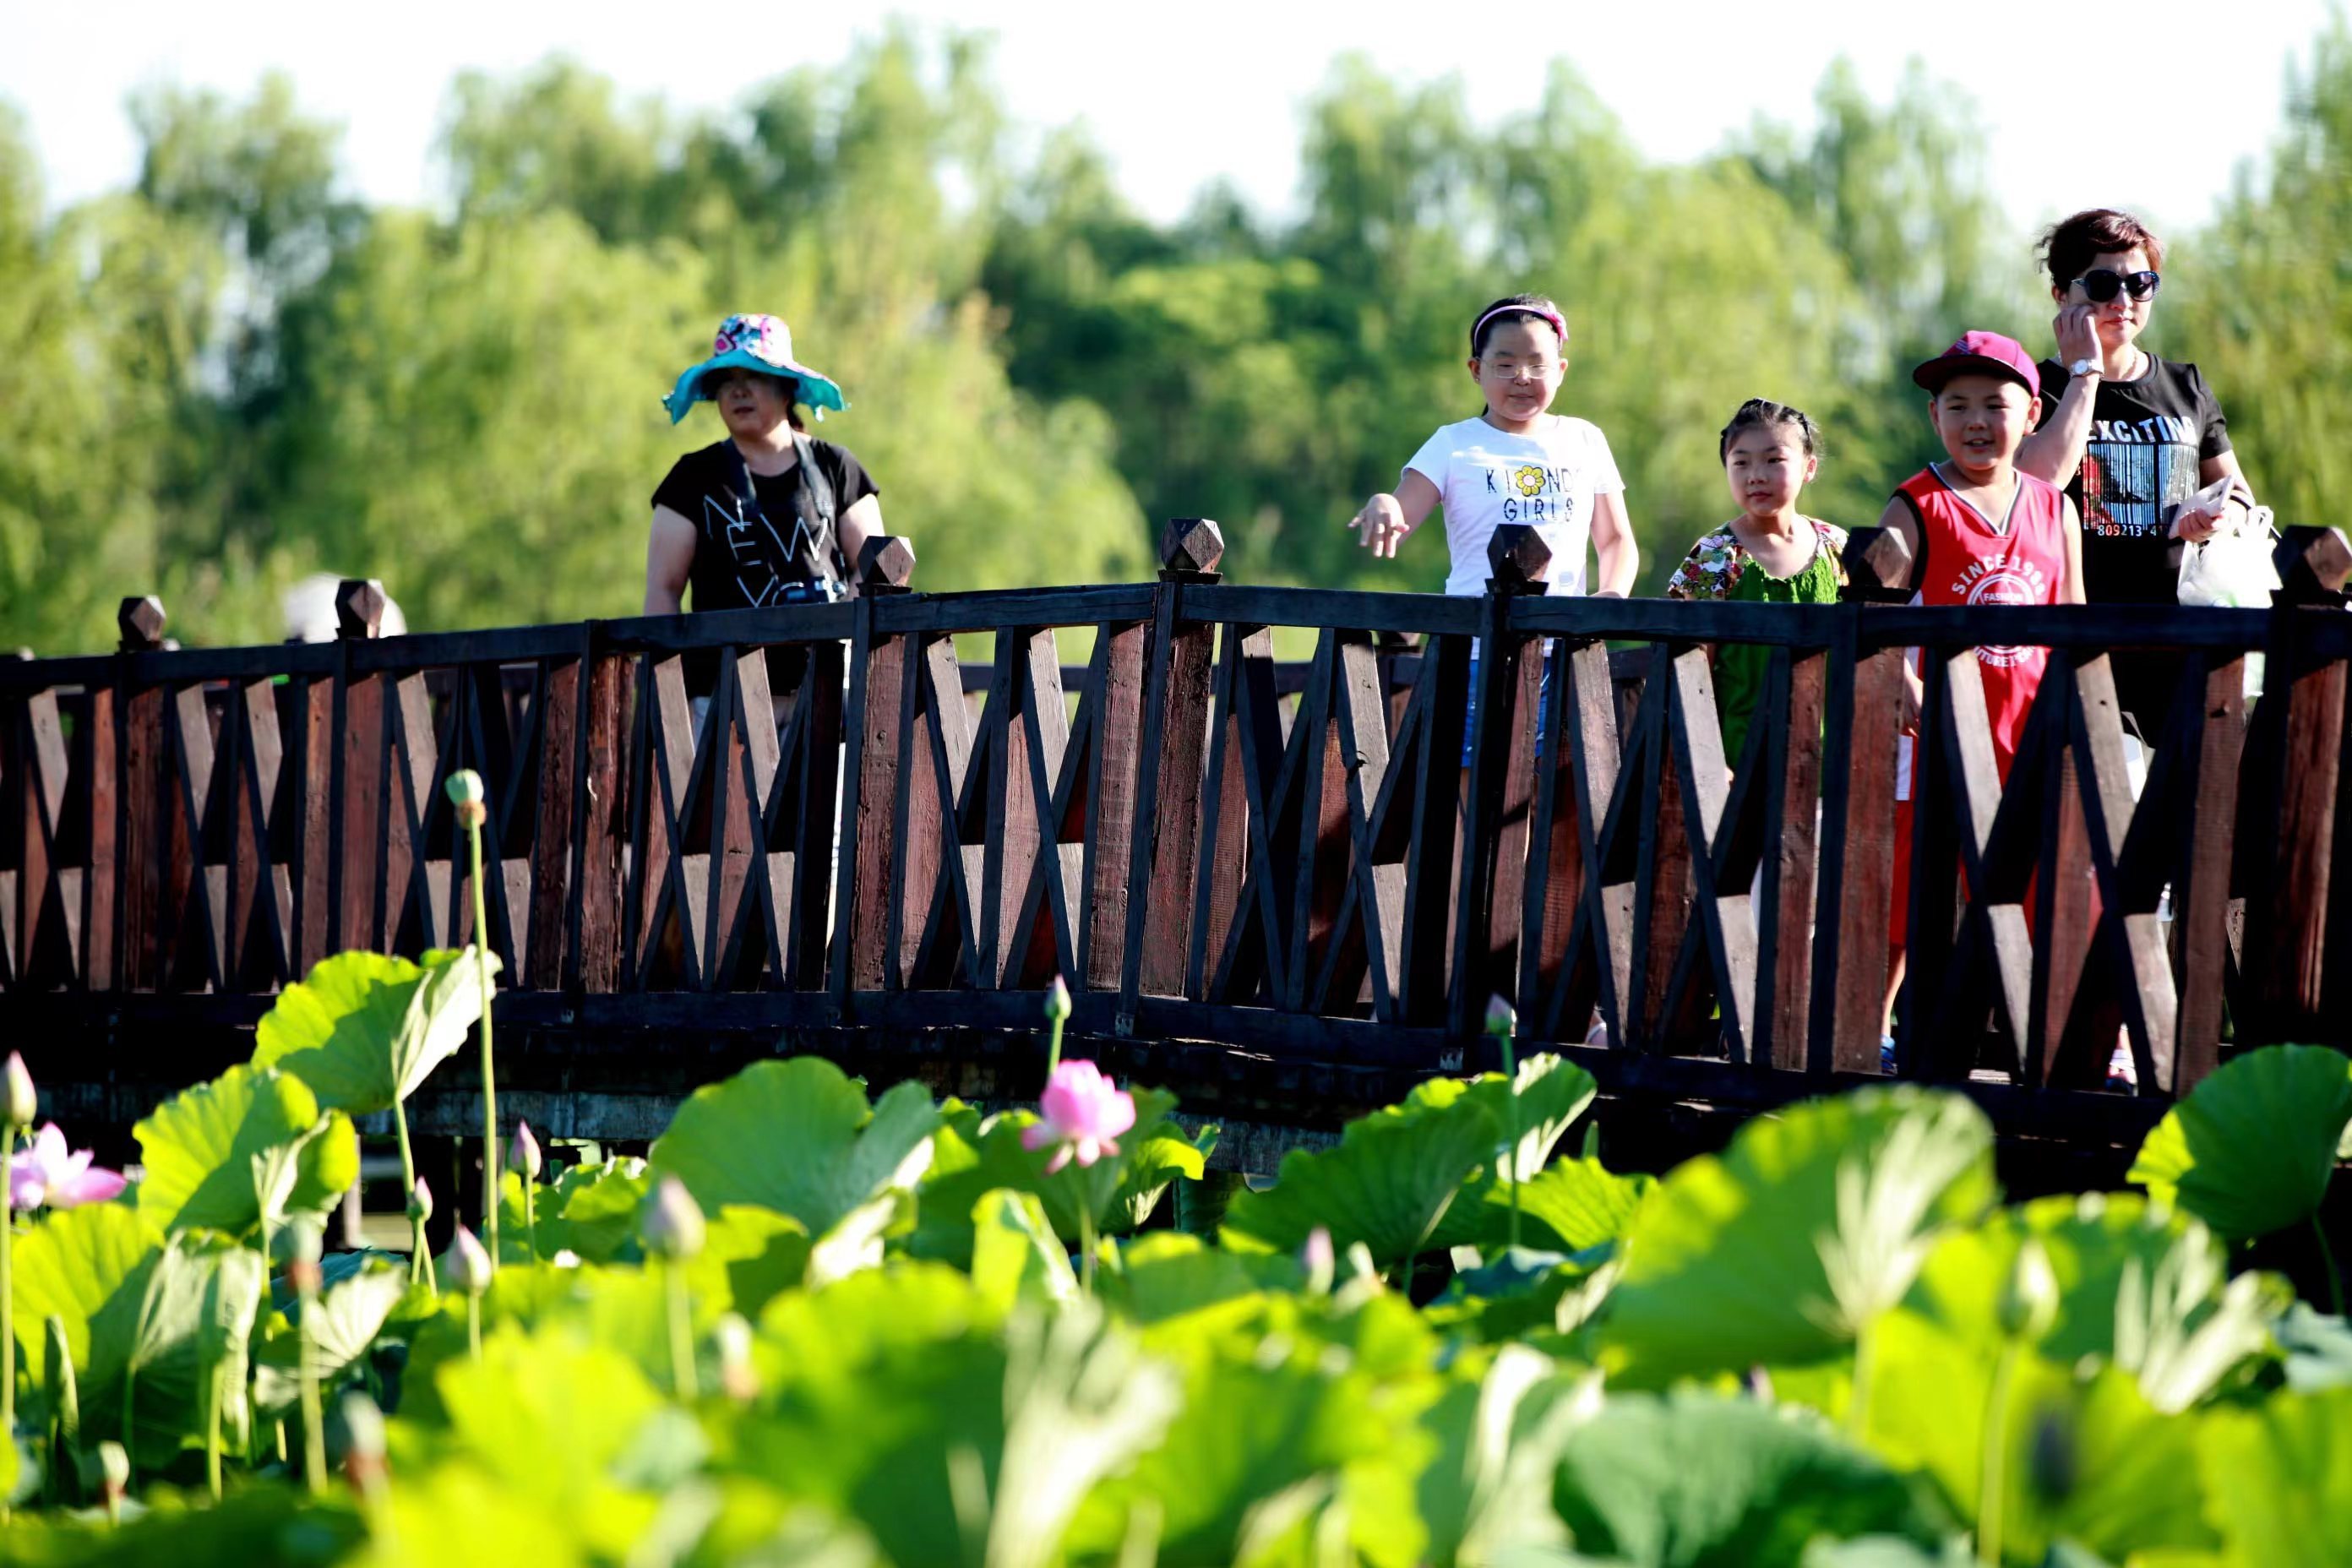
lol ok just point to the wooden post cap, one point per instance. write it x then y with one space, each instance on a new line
1516 559
359 607
1878 566
886 564
141 621
2314 564
1193 545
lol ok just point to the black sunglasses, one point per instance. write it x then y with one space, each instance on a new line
2102 284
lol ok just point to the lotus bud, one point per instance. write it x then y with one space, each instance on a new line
1057 1002
22 1103
2029 1300
303 1250
420 1201
672 1226
469 1263
114 1474
523 1153
1502 1018
1321 1263
363 1454
2053 1466
737 1377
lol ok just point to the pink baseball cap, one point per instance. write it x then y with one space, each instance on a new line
1982 354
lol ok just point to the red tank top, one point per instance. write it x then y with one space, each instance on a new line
1974 560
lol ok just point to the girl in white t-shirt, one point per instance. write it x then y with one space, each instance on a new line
1516 462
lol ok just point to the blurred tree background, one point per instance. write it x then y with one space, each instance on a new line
230 375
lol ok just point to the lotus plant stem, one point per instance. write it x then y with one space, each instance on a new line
1057 1013
1993 1486
212 1435
472 816
417 1261
681 1329
1502 1023
8 1298
314 1426
1857 1410
1511 1104
65 1406
474 1325
530 1219
2326 1262
1086 1245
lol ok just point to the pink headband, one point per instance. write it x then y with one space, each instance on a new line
1479 325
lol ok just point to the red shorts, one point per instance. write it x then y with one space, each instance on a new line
1898 918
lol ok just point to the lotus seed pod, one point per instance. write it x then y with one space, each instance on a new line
469 1263
1057 1002
465 787
2029 1300
523 1153
672 1226
24 1104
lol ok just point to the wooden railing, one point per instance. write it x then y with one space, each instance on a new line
1296 864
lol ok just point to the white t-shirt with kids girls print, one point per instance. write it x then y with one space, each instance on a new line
1486 478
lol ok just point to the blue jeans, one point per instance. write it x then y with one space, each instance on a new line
1543 697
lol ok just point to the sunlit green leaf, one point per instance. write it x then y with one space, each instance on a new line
1698 1481
2281 1491
1814 1221
364 1029
248 1145
796 1136
2084 1456
2251 1150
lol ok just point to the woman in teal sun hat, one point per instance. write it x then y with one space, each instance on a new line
770 515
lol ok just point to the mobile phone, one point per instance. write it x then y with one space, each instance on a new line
2214 497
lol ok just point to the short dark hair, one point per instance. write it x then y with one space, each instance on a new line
1764 411
2066 247
1516 308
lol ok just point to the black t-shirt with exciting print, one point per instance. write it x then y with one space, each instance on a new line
753 552
2148 437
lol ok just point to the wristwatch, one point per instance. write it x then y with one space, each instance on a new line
2083 367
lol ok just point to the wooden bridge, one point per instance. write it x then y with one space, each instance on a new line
1274 887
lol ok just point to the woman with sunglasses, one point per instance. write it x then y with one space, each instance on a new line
2132 438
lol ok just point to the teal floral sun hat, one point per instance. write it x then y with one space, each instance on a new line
761 343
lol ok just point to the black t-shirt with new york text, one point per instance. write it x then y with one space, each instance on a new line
747 555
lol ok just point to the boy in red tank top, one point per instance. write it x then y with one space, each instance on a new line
1981 533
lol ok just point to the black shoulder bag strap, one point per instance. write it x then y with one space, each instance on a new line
814 500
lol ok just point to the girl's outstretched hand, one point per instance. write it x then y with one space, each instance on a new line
1381 526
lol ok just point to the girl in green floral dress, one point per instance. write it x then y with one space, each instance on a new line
1770 553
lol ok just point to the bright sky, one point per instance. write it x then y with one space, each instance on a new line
2151 104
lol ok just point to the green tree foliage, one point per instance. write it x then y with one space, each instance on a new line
2267 313
232 374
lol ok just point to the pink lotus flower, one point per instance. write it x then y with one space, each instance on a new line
46 1174
1082 1112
